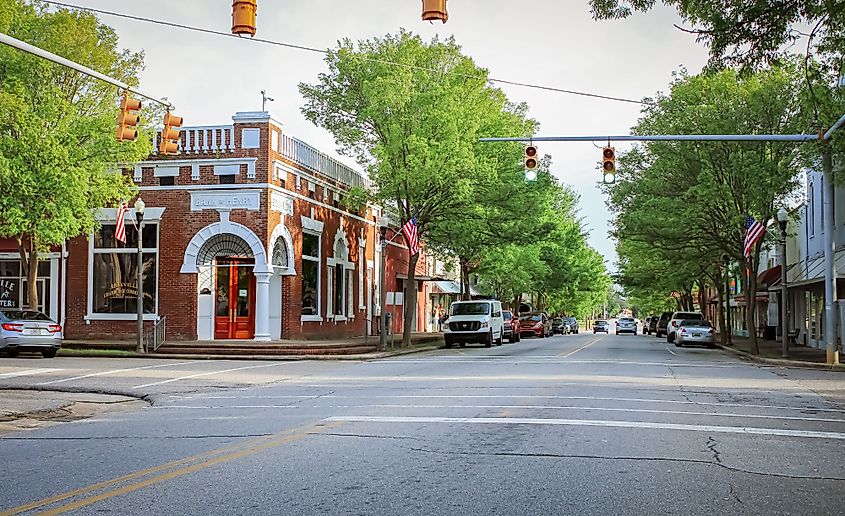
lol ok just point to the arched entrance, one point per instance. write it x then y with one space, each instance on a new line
233 282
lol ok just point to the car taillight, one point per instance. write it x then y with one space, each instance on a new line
12 327
683 330
55 328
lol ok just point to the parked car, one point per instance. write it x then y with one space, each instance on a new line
675 321
646 322
29 330
511 326
662 324
695 331
474 321
652 325
600 326
559 326
535 324
573 324
626 325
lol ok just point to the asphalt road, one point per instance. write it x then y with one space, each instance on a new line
576 424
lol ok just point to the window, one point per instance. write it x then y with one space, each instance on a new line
228 179
166 181
13 286
115 270
310 274
811 218
339 308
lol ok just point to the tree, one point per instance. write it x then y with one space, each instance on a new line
58 152
679 207
409 112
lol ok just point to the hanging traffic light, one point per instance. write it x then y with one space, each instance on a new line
435 10
608 165
243 17
170 134
529 159
127 121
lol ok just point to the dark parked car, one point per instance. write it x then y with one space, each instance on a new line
600 326
573 324
652 324
559 326
29 330
511 331
662 324
535 324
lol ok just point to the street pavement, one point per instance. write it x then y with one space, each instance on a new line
575 424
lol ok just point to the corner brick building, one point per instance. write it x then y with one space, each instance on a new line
244 237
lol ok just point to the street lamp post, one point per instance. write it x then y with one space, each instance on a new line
727 260
382 294
139 215
783 219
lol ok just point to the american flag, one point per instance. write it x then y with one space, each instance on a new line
753 233
120 228
410 232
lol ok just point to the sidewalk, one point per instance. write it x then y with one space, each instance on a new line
770 353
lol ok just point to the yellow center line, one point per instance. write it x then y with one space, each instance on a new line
587 345
227 452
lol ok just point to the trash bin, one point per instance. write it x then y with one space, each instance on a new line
388 322
770 333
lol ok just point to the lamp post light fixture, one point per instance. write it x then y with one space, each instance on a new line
382 294
139 215
783 219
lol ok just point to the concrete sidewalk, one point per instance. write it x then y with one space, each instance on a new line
770 353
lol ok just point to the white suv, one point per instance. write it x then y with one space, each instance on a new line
474 321
675 321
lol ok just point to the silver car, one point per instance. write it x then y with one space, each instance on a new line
626 325
29 330
695 332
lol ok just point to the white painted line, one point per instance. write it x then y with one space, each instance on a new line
777 432
556 360
209 373
114 371
670 351
28 372
223 407
518 396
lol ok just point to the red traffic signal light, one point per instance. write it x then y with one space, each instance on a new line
128 119
434 10
243 17
530 157
608 165
170 134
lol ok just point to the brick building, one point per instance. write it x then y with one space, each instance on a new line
244 237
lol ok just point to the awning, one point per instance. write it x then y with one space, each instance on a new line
769 276
446 287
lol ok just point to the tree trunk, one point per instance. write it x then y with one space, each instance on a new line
465 280
410 301
29 263
720 313
750 304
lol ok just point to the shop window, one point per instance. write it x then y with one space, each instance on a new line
310 274
114 285
14 292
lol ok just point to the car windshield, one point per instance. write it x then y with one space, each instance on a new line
626 320
530 318
696 322
688 315
601 323
470 309
25 315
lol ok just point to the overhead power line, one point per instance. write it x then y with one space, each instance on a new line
325 52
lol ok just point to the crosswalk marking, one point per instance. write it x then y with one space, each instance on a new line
29 372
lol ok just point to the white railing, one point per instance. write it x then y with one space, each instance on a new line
310 158
204 140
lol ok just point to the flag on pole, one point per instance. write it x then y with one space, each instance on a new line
120 227
410 232
753 233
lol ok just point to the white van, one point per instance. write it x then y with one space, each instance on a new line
474 321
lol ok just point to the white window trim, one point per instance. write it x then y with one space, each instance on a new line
318 316
90 314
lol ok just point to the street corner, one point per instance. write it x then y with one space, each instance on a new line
22 410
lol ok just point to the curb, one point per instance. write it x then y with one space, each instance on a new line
289 358
783 362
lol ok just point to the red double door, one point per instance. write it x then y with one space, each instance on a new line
234 299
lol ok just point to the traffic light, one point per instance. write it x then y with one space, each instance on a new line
243 17
170 134
127 121
529 159
435 10
608 165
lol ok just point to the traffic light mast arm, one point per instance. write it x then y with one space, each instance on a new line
673 137
26 47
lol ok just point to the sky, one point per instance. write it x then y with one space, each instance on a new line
546 42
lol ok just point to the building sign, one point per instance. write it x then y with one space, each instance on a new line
9 292
230 200
281 203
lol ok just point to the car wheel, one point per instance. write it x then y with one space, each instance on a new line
448 343
49 353
489 342
499 340
511 339
12 353
463 344
679 344
711 346
518 337
670 337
